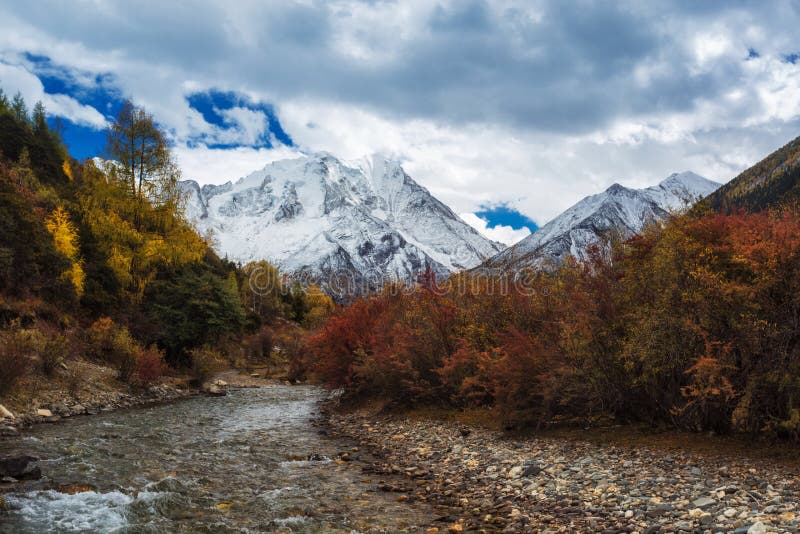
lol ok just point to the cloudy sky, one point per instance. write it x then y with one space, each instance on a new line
509 111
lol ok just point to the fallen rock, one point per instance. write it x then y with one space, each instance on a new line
704 502
216 391
5 413
42 412
20 467
60 408
531 470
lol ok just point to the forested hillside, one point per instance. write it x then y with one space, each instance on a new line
98 262
774 180
694 323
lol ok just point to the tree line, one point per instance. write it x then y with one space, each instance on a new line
98 254
695 324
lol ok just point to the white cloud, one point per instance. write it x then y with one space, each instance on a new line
504 234
216 166
14 78
244 126
500 102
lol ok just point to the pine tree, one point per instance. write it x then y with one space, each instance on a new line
5 105
39 118
19 109
24 172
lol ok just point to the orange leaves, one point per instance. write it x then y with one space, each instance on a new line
696 322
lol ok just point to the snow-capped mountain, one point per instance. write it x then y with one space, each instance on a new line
616 212
360 222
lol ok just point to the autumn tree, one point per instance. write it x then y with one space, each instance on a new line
261 290
141 159
65 236
320 307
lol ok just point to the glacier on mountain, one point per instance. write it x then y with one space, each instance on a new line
358 223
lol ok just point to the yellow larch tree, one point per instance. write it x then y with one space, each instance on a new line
65 236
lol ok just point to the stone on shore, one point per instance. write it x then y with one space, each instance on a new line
216 388
485 481
5 413
20 467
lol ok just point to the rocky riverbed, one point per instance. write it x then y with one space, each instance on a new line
480 481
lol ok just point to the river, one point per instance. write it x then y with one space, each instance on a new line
239 463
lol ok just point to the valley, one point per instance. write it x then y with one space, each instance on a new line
368 267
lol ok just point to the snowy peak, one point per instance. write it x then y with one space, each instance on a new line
619 211
320 216
681 190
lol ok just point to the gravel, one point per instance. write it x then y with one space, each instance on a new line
481 481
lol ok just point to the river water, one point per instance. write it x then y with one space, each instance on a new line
231 464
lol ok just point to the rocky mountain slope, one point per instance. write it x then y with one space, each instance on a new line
617 211
349 226
771 181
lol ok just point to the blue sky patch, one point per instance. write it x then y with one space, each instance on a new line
752 53
101 91
97 90
92 89
503 215
212 105
81 141
791 58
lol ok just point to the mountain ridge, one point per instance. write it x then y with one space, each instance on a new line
596 219
772 180
324 218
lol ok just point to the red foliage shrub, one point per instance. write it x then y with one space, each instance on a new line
150 366
695 322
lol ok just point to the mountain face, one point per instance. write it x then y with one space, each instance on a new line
618 211
346 226
773 180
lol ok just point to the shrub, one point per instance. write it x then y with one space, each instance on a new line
259 346
113 344
74 383
525 380
99 339
123 354
16 350
149 366
52 354
205 362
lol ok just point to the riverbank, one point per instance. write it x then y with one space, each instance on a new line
482 480
39 400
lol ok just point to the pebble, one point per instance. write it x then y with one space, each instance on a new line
484 481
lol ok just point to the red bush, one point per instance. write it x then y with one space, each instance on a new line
149 366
